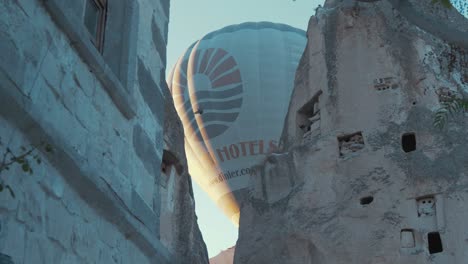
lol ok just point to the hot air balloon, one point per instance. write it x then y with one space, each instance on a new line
231 90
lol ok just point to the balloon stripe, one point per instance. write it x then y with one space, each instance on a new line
194 62
214 94
233 77
183 70
208 99
222 117
222 75
186 106
212 130
227 65
202 95
190 116
216 59
205 60
210 106
228 86
217 64
174 83
210 60
236 103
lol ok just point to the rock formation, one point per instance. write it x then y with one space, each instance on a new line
224 257
363 176
179 229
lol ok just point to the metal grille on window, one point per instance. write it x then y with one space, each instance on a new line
94 20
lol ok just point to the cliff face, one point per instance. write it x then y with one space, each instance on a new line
224 257
179 228
363 175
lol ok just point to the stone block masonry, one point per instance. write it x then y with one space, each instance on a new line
97 197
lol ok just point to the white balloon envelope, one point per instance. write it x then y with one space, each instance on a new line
231 90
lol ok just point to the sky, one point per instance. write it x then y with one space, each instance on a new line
189 21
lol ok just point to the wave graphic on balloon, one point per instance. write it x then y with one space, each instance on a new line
217 92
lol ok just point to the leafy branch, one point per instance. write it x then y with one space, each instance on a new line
450 108
25 158
445 3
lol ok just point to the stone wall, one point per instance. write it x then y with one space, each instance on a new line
97 196
364 176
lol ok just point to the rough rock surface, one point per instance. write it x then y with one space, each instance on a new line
371 180
179 228
224 257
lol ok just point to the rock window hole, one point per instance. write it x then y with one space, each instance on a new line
434 243
366 200
386 83
408 142
407 238
426 206
164 167
308 118
169 165
350 143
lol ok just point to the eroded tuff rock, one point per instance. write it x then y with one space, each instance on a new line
179 228
364 176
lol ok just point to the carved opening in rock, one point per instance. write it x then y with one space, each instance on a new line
350 143
434 243
170 165
426 206
366 200
5 259
386 83
407 238
165 167
408 142
308 118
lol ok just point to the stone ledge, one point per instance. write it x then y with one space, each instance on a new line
136 225
76 32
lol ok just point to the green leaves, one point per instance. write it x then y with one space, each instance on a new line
450 108
25 167
445 3
48 148
25 160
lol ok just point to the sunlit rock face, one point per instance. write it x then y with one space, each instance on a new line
363 175
224 257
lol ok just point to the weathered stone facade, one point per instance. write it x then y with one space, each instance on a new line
100 196
363 175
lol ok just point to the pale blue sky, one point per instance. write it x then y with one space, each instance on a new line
189 21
